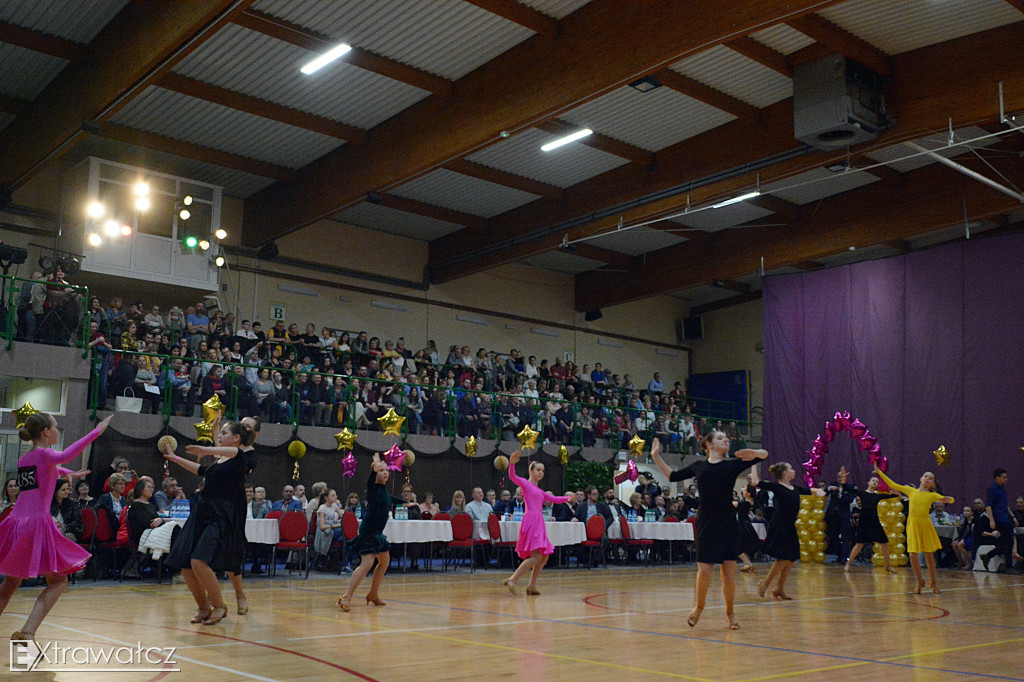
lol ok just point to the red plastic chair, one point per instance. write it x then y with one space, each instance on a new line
497 544
462 537
629 543
275 514
87 539
426 516
595 539
443 516
107 539
292 527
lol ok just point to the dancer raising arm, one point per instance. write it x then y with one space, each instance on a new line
921 535
717 533
30 543
533 545
371 543
783 543
869 528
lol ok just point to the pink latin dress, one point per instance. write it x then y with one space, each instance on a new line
30 543
533 534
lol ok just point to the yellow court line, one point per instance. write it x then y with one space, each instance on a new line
883 660
509 648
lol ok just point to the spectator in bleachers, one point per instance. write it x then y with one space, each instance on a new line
654 385
288 501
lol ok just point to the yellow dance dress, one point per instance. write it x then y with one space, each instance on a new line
921 535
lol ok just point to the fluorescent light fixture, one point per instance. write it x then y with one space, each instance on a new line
578 135
325 59
736 200
388 306
610 344
302 291
543 332
509 325
471 320
666 353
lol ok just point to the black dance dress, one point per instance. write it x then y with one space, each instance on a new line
783 542
239 544
371 538
749 542
717 534
869 528
209 533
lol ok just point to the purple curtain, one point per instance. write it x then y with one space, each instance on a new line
925 349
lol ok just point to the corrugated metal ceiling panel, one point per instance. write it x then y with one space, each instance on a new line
561 261
782 38
449 38
636 241
78 21
255 64
736 75
650 120
938 143
382 219
562 167
463 193
24 73
896 27
211 125
713 219
817 184
558 9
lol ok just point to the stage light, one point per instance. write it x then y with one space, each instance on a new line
204 245
94 239
221 234
184 214
187 200
142 204
111 228
95 209
191 242
141 189
219 261
126 230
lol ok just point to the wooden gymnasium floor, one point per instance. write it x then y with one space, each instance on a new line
621 624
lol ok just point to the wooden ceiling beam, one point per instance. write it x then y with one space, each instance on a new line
364 59
431 211
786 210
533 81
727 302
716 98
263 108
500 177
169 145
901 246
44 43
142 41
762 54
843 42
607 144
918 84
13 105
860 218
615 259
808 54
518 13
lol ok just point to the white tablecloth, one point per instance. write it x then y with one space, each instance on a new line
263 531
761 529
948 532
560 533
418 531
654 530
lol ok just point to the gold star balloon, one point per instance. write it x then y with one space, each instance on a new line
563 455
941 456
204 432
636 446
211 408
23 413
392 423
527 438
471 447
346 439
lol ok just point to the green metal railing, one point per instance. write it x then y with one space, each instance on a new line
54 323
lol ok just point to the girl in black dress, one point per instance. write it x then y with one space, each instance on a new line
783 543
749 542
240 545
371 543
869 528
206 542
717 534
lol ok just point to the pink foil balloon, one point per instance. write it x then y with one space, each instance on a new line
837 422
632 472
857 428
394 457
830 432
348 466
868 442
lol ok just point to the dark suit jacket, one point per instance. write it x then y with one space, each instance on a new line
602 508
563 512
107 502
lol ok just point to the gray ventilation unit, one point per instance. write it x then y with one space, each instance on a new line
836 103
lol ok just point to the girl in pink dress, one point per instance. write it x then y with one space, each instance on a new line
30 543
533 545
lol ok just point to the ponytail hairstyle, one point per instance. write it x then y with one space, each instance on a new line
35 425
246 435
705 442
254 423
778 469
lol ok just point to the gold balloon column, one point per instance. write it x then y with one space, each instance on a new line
890 514
810 526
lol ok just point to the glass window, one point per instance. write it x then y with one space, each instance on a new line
44 394
158 219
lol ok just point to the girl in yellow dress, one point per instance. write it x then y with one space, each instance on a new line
921 535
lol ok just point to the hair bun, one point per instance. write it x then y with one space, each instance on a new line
24 434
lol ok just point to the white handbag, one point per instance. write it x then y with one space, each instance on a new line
126 403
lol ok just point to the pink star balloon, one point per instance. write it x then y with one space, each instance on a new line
348 466
394 457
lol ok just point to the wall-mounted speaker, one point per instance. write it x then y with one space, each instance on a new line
693 328
593 315
268 251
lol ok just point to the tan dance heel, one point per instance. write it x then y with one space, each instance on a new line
507 582
345 604
201 616
533 591
779 594
216 617
243 606
375 600
23 636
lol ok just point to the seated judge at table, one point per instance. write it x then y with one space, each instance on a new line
477 508
594 506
